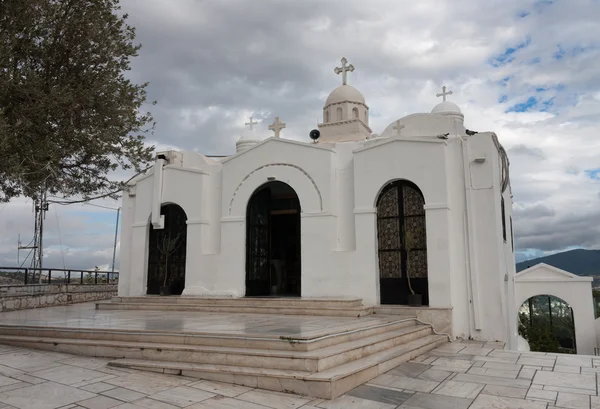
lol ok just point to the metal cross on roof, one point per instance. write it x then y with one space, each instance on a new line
277 126
344 69
251 123
444 93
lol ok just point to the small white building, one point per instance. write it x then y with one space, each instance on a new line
351 215
576 291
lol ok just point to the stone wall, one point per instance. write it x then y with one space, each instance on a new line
20 297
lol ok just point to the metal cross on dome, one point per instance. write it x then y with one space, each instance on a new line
344 69
277 126
398 127
251 123
444 93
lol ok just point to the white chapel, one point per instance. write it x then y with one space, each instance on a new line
419 214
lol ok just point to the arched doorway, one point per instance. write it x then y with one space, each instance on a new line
273 242
548 325
402 243
166 252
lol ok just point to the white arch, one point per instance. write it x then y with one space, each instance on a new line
543 279
311 200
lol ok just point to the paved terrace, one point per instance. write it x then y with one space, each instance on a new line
85 316
470 374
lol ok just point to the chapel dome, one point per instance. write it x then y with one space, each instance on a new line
446 107
345 93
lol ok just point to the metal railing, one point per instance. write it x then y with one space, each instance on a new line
59 276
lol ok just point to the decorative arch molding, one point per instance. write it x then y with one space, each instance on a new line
403 180
308 192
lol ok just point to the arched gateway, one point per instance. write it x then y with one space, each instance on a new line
402 243
273 262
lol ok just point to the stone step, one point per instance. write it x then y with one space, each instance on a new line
312 361
243 301
354 331
356 311
327 384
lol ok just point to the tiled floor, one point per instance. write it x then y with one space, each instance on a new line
464 375
86 316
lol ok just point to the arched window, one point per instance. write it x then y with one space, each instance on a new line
355 113
326 116
339 113
402 244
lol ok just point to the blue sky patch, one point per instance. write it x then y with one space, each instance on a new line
523 106
593 173
544 106
503 99
531 104
508 55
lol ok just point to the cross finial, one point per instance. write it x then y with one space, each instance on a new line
444 93
251 123
398 127
344 70
277 126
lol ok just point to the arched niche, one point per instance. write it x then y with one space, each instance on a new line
402 243
273 245
167 252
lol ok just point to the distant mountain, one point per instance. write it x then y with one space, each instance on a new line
580 262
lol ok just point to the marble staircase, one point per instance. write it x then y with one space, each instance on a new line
351 307
323 365
320 347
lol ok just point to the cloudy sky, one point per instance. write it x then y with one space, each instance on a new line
528 70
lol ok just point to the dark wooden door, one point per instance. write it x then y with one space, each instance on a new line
402 244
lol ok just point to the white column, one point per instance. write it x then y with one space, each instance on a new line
193 257
437 218
212 210
158 221
367 258
138 273
125 245
346 230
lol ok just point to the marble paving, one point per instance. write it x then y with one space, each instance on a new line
460 375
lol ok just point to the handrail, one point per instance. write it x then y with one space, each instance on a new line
81 276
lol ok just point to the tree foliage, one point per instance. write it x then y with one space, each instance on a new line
68 115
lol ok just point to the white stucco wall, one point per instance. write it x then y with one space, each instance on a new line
543 279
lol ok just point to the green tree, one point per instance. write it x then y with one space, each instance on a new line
68 114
